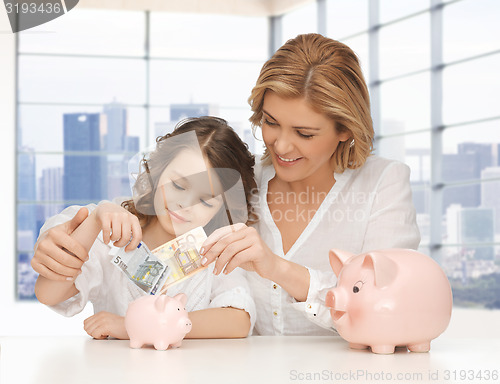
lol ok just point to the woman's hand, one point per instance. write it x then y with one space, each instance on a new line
239 246
57 256
104 324
118 225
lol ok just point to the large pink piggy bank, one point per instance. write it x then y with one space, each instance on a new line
160 321
389 298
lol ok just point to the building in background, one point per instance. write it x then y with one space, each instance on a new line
182 111
26 189
50 192
117 127
119 147
470 227
490 194
85 170
466 165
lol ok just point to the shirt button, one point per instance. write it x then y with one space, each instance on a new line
275 286
275 313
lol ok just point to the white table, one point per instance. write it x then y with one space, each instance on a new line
256 359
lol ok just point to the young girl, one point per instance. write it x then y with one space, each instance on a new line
166 204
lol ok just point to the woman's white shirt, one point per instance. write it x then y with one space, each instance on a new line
368 208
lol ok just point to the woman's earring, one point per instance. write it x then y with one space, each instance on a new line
351 144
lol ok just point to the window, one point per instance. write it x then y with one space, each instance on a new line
431 67
346 18
413 53
300 20
404 46
97 86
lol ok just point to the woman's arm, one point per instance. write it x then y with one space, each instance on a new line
391 223
118 225
242 246
51 290
219 323
292 277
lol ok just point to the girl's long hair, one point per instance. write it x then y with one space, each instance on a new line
221 146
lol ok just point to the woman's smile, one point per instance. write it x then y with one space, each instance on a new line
287 161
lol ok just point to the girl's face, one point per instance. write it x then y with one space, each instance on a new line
186 195
300 140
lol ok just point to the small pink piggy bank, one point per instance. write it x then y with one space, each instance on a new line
389 298
160 321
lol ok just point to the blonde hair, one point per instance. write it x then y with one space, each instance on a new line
327 74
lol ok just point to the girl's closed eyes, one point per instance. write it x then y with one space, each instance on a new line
206 199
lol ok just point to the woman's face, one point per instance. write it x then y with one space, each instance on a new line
186 195
300 140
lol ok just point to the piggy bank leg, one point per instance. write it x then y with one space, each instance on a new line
357 346
177 345
383 349
134 343
161 346
420 347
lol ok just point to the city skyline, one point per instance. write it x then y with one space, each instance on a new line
97 145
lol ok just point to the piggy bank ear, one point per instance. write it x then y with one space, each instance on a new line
182 298
385 270
338 258
161 302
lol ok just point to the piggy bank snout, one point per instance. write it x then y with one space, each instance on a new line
336 298
184 322
330 299
337 304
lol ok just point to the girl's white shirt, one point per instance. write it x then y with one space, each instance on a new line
367 209
108 289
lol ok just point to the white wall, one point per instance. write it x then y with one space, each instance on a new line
18 318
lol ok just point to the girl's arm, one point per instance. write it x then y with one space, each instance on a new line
211 323
219 323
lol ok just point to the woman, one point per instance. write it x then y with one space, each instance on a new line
320 188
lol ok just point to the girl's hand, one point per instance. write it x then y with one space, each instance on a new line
239 246
118 225
104 324
57 256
